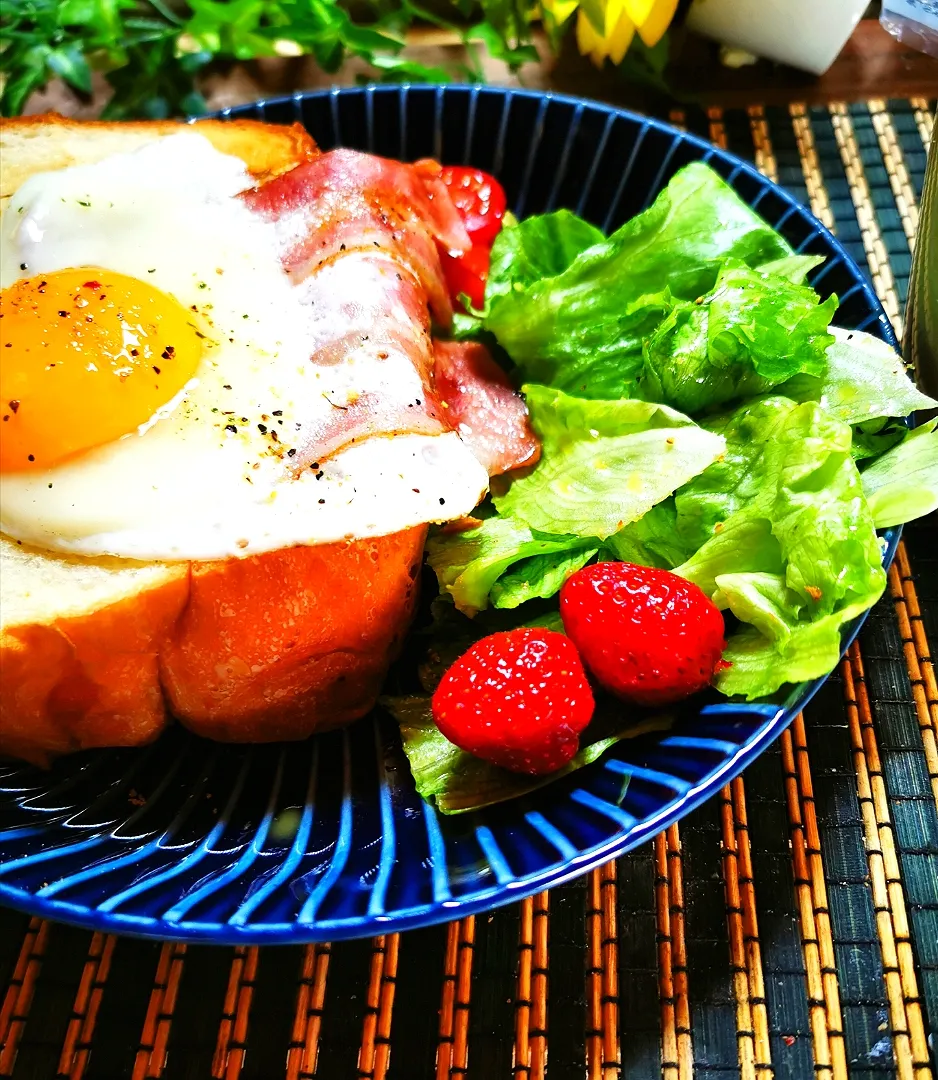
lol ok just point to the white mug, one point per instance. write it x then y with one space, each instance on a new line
807 34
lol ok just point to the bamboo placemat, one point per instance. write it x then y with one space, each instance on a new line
787 929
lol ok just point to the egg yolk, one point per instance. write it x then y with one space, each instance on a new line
87 356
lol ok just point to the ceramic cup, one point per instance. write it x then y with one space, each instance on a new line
807 34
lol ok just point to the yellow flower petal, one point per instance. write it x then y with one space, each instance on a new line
652 29
614 9
560 9
595 11
588 41
620 39
639 10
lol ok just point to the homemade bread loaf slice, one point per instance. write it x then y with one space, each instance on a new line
96 652
276 646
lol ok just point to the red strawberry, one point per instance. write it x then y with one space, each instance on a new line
647 635
518 699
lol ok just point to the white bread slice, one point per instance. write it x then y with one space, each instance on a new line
31 144
277 646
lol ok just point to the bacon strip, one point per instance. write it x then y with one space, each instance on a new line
483 407
359 235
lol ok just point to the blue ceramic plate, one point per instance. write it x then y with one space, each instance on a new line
327 839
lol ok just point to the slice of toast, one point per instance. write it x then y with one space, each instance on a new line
95 652
31 144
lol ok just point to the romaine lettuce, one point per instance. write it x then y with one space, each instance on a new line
468 564
458 782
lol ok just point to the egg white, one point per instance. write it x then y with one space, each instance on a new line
185 486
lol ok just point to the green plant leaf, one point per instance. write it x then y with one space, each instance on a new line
785 541
69 63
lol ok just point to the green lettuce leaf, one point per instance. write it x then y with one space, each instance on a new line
538 247
603 463
650 541
865 381
468 564
760 662
592 316
793 267
540 576
458 782
902 485
752 332
787 542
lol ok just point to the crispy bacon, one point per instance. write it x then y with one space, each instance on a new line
359 236
347 201
483 407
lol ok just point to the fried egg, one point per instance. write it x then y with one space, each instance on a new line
155 376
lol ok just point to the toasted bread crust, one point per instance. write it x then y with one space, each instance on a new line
277 646
31 144
89 679
290 642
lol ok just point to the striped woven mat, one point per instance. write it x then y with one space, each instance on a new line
787 929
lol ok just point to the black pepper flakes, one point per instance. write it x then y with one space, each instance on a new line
156 369
231 428
30 457
14 406
442 501
277 412
262 428
321 502
226 386
291 452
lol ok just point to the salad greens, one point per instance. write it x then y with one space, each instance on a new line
900 485
697 413
783 539
752 332
603 463
589 319
457 781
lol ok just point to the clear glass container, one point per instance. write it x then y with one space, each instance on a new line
913 22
